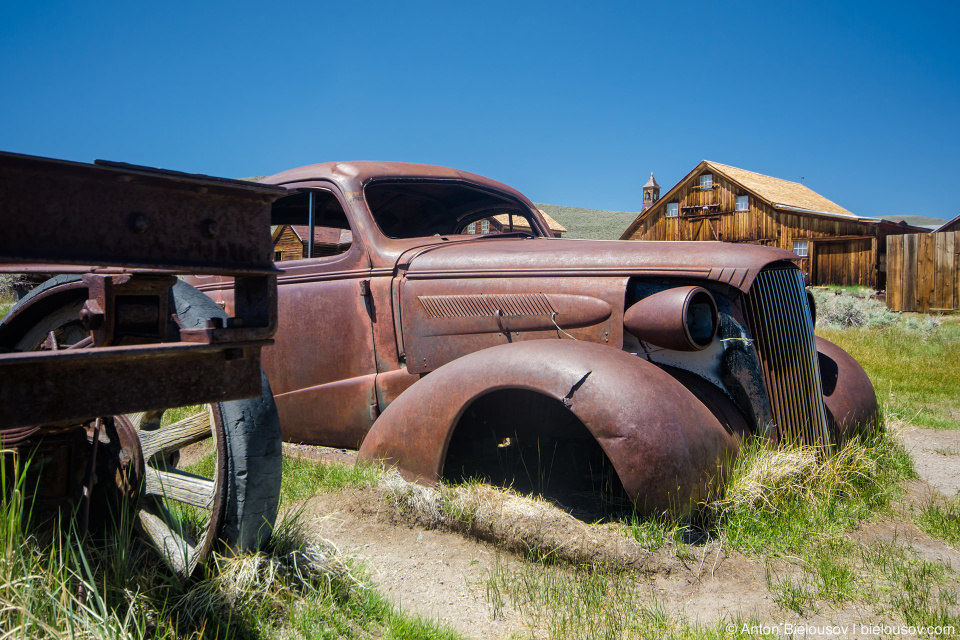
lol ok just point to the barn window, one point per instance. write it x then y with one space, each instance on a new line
800 248
673 209
743 203
646 196
706 181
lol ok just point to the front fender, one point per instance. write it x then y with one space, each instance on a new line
847 392
665 444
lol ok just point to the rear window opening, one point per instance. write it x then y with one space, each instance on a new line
422 209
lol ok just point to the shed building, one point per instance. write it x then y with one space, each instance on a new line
719 202
953 225
290 241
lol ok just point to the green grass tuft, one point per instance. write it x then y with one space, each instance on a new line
303 478
778 500
57 586
940 517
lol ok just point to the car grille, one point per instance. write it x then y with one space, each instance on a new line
779 317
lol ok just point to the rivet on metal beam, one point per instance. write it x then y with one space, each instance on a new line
138 222
210 228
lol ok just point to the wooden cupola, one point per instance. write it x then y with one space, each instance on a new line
651 192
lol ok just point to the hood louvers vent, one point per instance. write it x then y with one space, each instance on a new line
483 305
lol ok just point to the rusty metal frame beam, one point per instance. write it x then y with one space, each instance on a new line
61 216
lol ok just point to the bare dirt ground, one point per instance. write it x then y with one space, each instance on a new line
442 574
936 457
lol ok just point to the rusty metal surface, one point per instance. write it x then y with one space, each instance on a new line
53 480
541 257
137 304
127 217
575 308
131 378
847 392
53 211
455 309
664 444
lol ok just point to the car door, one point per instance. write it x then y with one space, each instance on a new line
322 366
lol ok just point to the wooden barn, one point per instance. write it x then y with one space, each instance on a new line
290 241
719 202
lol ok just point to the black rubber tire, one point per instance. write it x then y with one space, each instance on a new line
251 427
253 444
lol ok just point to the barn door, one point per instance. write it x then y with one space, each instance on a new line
844 262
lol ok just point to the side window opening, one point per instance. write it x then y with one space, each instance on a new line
290 226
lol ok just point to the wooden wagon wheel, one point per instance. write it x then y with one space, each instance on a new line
231 502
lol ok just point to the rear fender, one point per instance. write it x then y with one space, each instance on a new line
664 444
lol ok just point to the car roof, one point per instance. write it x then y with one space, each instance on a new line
353 175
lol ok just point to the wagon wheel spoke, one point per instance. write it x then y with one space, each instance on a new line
175 436
176 546
180 486
178 509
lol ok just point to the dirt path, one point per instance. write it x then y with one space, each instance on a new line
435 574
936 457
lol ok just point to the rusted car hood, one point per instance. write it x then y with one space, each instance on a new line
734 264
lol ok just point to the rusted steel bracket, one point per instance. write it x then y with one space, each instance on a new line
137 305
255 305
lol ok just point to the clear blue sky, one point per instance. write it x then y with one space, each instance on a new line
572 103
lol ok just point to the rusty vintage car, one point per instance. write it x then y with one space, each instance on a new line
435 323
429 318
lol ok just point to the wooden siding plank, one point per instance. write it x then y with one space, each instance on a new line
910 272
940 276
895 273
956 269
926 247
949 268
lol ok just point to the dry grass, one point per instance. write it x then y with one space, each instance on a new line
526 525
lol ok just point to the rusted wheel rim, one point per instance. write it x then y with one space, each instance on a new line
179 512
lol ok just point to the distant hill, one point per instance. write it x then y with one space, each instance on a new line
590 224
918 221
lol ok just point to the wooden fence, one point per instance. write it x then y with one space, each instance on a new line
922 272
